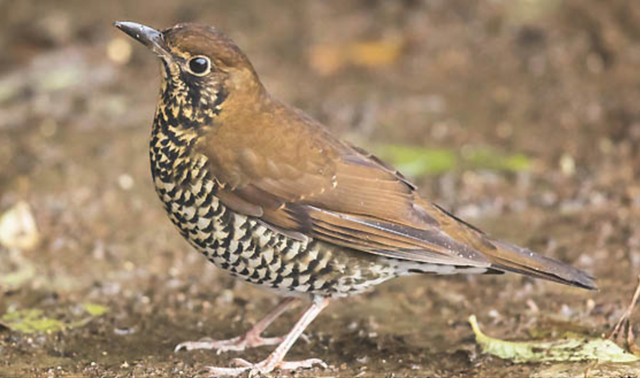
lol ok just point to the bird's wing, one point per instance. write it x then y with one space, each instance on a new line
320 187
300 180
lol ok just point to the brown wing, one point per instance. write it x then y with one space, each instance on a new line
300 180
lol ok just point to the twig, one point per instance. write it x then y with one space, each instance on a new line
624 322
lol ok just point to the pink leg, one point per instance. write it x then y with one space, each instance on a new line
275 359
250 340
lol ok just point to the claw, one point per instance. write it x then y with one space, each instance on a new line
225 372
251 339
241 362
236 344
263 367
275 359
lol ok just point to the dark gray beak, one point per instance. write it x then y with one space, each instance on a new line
149 37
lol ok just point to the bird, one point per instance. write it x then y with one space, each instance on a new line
270 196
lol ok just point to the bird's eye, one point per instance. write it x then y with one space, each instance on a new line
199 65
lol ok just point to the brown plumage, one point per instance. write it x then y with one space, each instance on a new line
265 192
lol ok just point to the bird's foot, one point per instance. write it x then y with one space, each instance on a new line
240 343
264 367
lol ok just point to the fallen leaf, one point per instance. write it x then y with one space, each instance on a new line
95 309
563 350
31 321
34 320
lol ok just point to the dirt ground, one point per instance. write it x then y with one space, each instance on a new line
554 81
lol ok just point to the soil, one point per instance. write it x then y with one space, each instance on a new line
555 81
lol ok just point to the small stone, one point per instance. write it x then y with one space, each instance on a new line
18 227
567 165
125 181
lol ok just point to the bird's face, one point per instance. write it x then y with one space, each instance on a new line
201 67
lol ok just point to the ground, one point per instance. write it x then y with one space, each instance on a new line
553 83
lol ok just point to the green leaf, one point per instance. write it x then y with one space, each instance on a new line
568 349
95 309
31 321
34 320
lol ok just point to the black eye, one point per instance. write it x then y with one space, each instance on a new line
199 65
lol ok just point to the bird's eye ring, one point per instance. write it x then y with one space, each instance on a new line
199 65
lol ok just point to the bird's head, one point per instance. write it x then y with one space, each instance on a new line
202 68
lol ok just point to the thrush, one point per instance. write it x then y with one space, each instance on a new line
267 194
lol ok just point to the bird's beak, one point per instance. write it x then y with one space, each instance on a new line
149 37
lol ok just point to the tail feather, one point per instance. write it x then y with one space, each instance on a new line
505 257
511 258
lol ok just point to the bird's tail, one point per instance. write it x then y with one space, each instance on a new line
511 258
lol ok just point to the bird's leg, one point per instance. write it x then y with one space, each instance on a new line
276 358
250 339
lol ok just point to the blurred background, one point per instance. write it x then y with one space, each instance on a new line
520 116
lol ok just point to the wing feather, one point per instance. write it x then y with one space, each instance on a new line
299 180
336 193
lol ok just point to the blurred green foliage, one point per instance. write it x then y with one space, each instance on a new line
422 161
34 320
